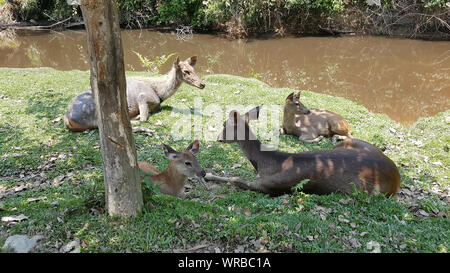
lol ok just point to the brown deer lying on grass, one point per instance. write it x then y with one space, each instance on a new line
144 96
183 164
312 125
352 162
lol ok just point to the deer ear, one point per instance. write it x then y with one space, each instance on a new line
169 152
298 94
193 147
253 114
192 60
177 61
290 97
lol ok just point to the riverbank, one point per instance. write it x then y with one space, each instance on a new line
54 178
243 19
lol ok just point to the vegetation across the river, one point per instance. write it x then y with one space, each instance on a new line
242 18
54 177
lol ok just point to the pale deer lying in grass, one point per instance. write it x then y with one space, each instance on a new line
352 162
144 96
182 165
312 125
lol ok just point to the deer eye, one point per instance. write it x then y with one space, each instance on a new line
186 72
187 163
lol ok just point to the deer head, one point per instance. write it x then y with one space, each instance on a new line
185 71
185 161
293 105
236 127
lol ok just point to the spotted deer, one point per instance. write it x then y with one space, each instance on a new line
144 96
312 125
182 165
351 163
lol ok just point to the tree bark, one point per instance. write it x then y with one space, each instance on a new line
120 170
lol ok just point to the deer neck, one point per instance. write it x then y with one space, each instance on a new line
170 85
172 177
252 150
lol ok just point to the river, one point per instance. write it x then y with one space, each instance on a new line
405 79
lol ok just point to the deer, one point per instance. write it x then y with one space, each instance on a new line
144 96
182 165
350 164
312 125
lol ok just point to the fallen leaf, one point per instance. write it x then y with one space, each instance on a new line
373 247
247 211
20 188
29 200
298 226
263 250
14 218
423 213
354 243
239 249
197 247
264 241
72 247
324 209
57 180
342 219
439 163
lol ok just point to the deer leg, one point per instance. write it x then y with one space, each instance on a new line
143 112
335 138
310 139
254 186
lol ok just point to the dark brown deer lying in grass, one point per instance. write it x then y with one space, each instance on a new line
182 165
352 162
312 125
144 96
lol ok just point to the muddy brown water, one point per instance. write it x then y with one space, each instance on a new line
405 79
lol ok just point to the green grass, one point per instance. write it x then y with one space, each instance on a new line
35 146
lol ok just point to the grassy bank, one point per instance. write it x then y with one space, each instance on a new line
54 177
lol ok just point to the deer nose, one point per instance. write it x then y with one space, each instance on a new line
308 112
202 85
203 173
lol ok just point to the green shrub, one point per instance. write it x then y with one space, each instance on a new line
180 12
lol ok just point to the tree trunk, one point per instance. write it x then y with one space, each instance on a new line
120 170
